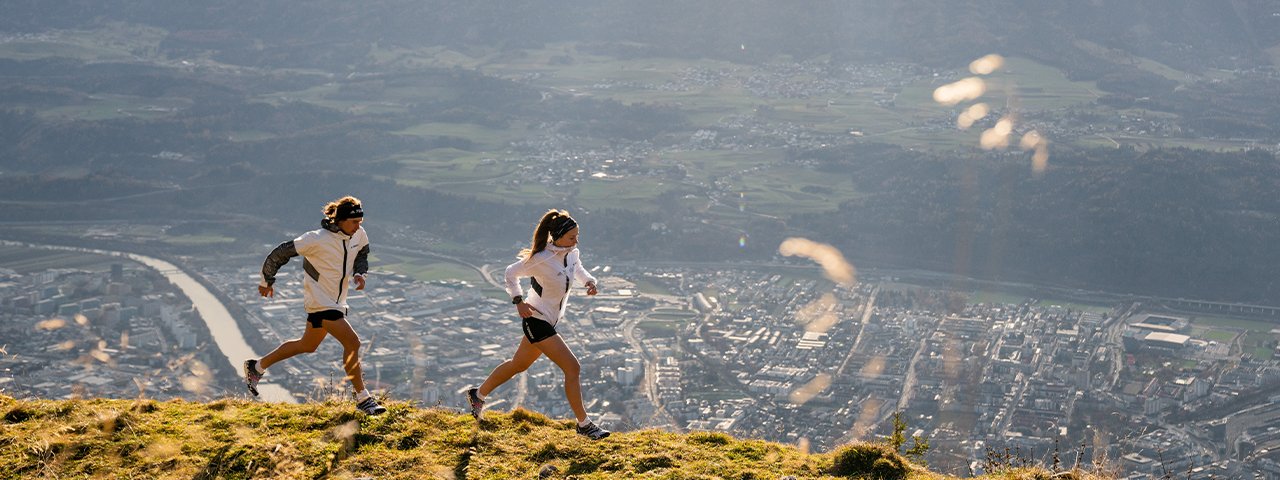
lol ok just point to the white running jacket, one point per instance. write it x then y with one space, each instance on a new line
330 259
551 273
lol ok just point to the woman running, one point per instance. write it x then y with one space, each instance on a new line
552 264
332 256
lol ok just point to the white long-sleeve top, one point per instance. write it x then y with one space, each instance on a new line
329 259
551 272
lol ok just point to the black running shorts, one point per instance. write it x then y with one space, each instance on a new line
537 329
316 319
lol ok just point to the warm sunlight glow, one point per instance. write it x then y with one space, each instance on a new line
836 268
1040 159
812 389
873 368
198 381
997 136
868 415
819 315
161 450
51 324
961 91
975 112
987 64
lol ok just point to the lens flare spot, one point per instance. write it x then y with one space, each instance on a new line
1036 142
819 315
867 417
873 368
987 64
802 395
975 112
51 324
1040 160
833 263
960 91
997 136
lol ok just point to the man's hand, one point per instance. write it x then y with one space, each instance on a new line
266 291
359 278
591 288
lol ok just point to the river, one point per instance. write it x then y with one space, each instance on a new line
226 332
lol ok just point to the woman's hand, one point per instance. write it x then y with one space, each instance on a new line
526 310
591 288
266 291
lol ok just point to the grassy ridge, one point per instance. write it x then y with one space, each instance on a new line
102 438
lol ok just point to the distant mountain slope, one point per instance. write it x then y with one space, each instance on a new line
1188 34
1173 222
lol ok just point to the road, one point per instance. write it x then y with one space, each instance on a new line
650 387
867 309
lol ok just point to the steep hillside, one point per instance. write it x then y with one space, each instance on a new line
101 438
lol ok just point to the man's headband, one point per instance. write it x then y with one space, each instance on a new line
348 210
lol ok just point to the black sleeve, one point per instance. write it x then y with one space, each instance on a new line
362 261
276 259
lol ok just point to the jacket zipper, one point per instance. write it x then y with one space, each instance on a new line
567 280
342 280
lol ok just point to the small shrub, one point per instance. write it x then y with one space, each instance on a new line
408 442
710 438
869 459
651 462
552 451
144 406
521 415
587 464
18 414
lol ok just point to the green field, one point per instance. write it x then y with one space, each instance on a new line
1083 307
105 107
674 316
996 298
1219 336
644 285
1238 323
659 328
424 269
108 41
1261 345
992 297
30 260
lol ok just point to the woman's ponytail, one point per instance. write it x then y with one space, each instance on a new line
542 232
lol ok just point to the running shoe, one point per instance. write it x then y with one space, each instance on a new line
251 376
370 407
477 403
592 431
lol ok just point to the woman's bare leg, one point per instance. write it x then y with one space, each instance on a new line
525 355
555 349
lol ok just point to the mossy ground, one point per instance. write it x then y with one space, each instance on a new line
101 438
